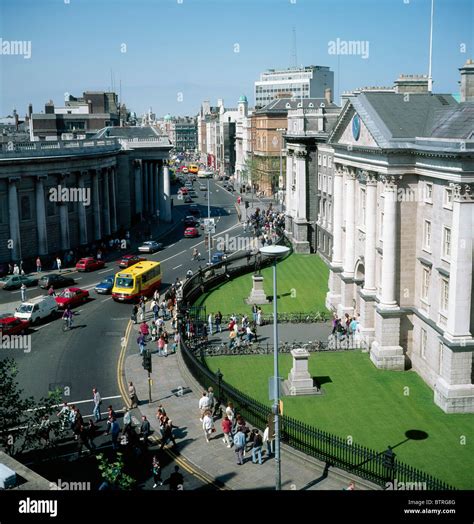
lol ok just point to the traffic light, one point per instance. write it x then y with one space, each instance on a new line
147 361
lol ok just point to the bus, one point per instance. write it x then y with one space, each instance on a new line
140 279
193 168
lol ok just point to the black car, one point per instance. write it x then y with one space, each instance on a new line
56 280
191 221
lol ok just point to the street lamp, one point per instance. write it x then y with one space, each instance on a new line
275 252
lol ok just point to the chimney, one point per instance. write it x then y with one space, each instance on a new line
467 81
15 116
49 108
411 84
328 95
30 109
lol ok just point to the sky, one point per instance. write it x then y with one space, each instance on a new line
171 55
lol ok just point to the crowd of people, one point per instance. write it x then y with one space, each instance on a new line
347 326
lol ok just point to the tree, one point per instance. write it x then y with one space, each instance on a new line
112 473
23 424
248 174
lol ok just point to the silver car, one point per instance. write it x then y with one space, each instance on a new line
150 246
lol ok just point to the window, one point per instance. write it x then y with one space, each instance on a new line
319 159
381 225
423 342
440 356
448 198
362 207
427 235
428 196
425 284
324 183
444 295
25 207
329 161
324 243
319 181
446 242
324 161
330 185
319 238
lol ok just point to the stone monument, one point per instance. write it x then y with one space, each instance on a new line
299 380
257 295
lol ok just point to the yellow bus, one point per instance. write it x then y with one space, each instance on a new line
137 280
193 168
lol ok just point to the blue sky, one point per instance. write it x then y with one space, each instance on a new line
188 47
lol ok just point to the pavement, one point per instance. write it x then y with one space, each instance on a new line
174 388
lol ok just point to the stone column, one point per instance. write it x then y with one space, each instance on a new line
349 203
14 218
149 172
145 187
370 232
82 211
289 182
64 217
389 237
41 216
113 201
166 210
138 187
106 201
301 185
96 206
338 214
156 195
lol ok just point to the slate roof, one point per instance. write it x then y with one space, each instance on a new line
283 105
127 132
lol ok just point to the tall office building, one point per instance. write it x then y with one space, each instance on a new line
303 82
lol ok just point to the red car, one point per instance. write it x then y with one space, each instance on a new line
13 326
71 296
130 260
183 191
191 232
89 264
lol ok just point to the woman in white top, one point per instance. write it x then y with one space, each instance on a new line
208 425
229 411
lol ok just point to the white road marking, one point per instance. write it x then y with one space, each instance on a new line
110 298
105 270
169 258
172 245
178 266
80 278
78 402
41 327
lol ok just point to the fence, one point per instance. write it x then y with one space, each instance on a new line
336 451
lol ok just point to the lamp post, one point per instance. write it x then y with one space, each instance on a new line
275 252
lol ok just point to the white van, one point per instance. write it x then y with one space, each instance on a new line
37 308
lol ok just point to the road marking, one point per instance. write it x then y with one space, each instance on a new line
105 271
120 363
45 325
166 259
77 402
91 286
172 245
105 299
80 278
178 266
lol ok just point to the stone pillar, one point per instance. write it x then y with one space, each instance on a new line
156 192
370 232
145 187
349 203
96 206
106 201
389 237
41 216
301 185
289 181
138 187
338 204
149 172
82 212
166 210
64 217
113 201
14 218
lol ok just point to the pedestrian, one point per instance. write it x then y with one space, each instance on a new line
134 313
156 469
51 291
38 264
78 422
218 321
127 419
350 487
23 292
63 415
268 437
111 415
58 264
210 396
72 416
144 329
16 269
115 430
209 320
259 316
132 395
226 425
167 434
141 343
161 346
208 424
239 443
145 430
142 309
156 309
97 402
254 313
230 413
176 480
204 404
257 447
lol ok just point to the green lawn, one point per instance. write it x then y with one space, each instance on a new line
302 287
372 406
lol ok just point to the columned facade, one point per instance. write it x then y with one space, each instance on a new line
41 216
14 219
82 212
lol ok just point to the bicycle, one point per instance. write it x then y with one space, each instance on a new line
67 325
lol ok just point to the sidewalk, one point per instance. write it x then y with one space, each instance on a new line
170 378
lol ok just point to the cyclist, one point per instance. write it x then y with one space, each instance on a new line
195 254
67 316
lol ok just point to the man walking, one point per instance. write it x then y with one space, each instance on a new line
204 404
23 292
38 265
97 401
115 430
145 430
58 263
257 447
239 443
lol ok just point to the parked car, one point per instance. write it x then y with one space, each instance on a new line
36 309
15 281
191 232
71 296
188 184
202 187
194 209
183 191
191 221
13 326
105 287
217 257
56 280
89 264
130 260
150 246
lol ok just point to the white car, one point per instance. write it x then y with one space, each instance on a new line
37 308
150 247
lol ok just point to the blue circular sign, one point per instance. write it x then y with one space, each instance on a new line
356 127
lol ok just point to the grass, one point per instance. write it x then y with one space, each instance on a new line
302 287
375 407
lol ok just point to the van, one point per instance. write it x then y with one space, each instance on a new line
37 308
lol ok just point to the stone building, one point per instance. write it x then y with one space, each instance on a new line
57 196
403 231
